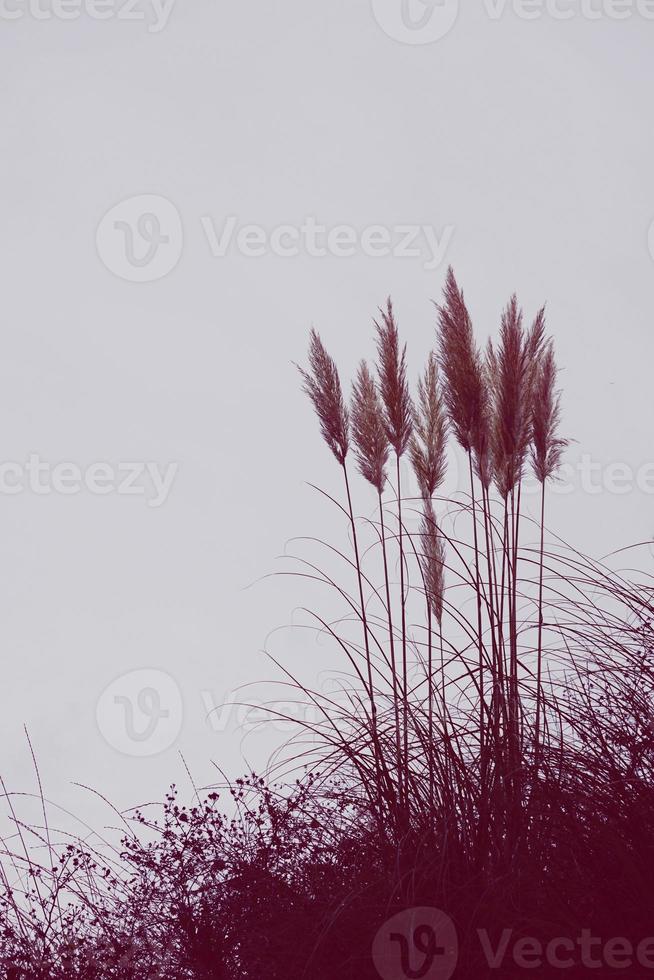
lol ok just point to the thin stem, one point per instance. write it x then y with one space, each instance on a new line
391 640
430 723
479 621
443 700
540 630
493 612
516 560
405 708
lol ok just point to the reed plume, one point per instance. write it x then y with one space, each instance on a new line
323 386
429 439
368 430
465 390
394 388
512 369
433 561
547 448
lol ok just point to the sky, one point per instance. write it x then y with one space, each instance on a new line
189 187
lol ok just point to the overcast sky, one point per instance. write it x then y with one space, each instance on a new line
155 445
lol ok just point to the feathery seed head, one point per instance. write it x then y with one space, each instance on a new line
512 371
465 389
433 561
391 366
322 384
547 448
427 447
368 430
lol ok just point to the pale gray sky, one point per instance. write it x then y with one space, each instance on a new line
524 147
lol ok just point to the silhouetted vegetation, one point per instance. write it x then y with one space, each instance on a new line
489 750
